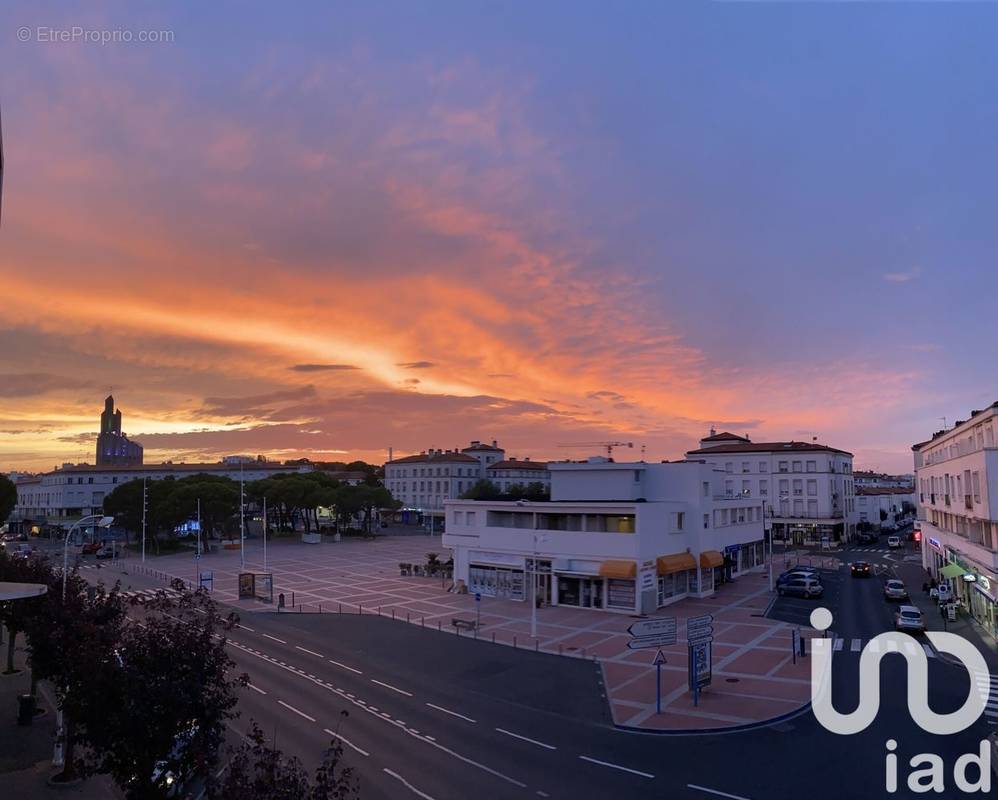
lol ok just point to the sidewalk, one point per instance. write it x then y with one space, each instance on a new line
26 751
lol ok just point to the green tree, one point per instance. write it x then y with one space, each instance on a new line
482 489
8 497
260 771
170 680
16 615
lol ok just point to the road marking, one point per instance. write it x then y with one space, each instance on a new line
256 688
837 645
874 646
338 664
526 739
299 713
393 688
346 741
408 785
245 628
310 652
715 791
452 713
275 638
856 646
617 766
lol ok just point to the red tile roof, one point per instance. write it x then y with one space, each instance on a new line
512 463
767 447
439 458
725 436
868 490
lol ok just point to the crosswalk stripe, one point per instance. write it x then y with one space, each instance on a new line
838 644
857 645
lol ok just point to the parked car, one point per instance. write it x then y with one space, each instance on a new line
19 549
14 537
893 541
104 551
89 548
895 590
908 618
860 569
793 574
801 587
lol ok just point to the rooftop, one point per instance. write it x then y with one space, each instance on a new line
768 447
515 463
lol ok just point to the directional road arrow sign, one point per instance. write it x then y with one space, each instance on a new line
649 627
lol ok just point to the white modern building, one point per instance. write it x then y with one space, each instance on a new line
956 474
624 537
867 479
423 482
884 508
77 490
806 487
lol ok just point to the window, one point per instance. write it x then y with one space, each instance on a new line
812 488
812 466
729 467
745 466
458 517
620 593
729 488
784 466
763 466
678 518
470 516
763 488
746 489
706 520
798 487
797 466
706 488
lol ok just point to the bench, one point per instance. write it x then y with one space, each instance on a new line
466 624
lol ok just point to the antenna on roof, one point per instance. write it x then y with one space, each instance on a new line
944 422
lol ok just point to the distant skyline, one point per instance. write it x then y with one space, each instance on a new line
330 229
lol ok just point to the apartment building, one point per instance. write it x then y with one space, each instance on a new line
73 491
956 473
884 507
424 481
622 537
518 471
805 487
867 479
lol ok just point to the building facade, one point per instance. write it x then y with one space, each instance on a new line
884 508
956 473
512 472
73 491
865 479
113 447
425 481
806 488
623 537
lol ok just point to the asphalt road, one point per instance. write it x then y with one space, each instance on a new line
433 716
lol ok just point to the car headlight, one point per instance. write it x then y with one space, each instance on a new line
169 780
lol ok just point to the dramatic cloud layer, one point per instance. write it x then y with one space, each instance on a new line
328 232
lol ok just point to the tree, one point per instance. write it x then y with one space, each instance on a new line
8 497
883 515
260 771
71 641
482 489
169 681
16 615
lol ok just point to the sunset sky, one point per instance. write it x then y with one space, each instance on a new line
326 229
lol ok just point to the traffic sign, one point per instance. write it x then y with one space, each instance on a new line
703 619
659 659
650 627
641 642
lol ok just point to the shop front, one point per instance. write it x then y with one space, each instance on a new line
711 571
677 577
976 588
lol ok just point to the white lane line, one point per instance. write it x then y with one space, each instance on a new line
256 688
393 688
338 664
299 713
246 628
408 785
837 645
452 713
310 652
715 791
346 741
617 766
275 638
857 645
526 739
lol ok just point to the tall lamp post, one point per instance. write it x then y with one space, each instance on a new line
767 528
538 538
103 522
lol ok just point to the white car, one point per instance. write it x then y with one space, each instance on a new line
895 590
909 618
893 541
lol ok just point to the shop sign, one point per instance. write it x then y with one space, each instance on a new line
935 543
648 576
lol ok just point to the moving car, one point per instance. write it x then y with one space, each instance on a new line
89 548
908 618
893 541
867 538
860 569
895 590
801 587
104 551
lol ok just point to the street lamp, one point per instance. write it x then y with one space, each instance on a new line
538 538
103 522
767 525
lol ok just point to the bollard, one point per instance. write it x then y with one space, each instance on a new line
320 608
422 621
280 601
379 611
406 616
299 607
583 652
493 637
292 598
393 612
537 645
559 648
360 608
439 625
514 643
341 609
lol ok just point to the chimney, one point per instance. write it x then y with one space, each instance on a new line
495 443
713 431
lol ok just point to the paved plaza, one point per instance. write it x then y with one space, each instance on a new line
754 674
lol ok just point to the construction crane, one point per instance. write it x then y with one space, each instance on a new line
608 445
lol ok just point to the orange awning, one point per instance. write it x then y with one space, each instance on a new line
677 563
711 558
618 569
